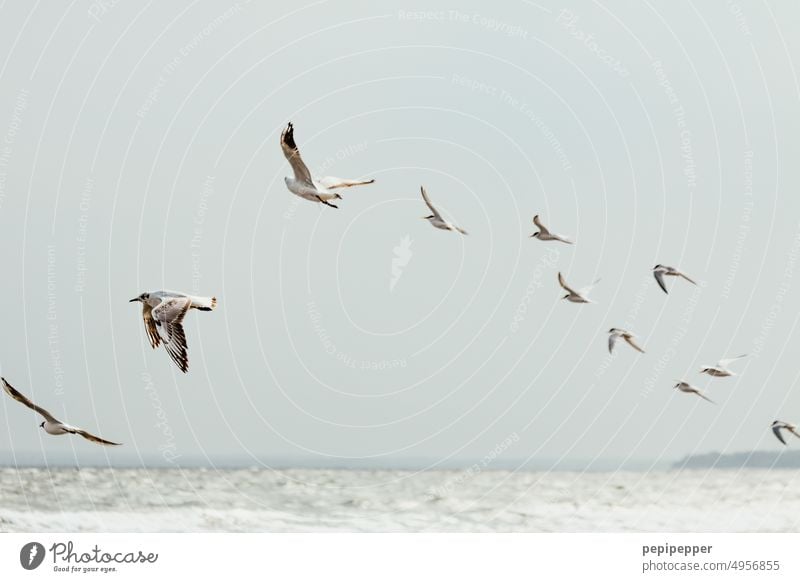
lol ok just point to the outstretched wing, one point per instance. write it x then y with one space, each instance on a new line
150 326
659 275
169 317
428 202
612 340
777 432
563 283
724 363
289 147
629 339
538 223
90 437
19 397
461 230
687 278
332 182
703 396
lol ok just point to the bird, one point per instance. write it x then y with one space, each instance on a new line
615 333
660 271
779 424
163 313
51 424
579 296
436 219
303 185
689 389
545 234
720 370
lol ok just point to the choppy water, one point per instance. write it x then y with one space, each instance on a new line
333 500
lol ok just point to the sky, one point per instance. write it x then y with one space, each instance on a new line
139 150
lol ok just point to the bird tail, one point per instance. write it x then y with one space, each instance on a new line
204 303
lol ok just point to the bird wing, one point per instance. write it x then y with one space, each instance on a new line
685 277
428 202
538 223
793 430
585 290
612 340
777 432
332 182
703 396
659 275
150 326
90 437
564 284
169 315
629 338
724 363
461 230
292 154
19 397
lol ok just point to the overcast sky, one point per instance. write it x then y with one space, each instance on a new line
139 151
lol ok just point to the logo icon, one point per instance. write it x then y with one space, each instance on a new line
31 555
402 256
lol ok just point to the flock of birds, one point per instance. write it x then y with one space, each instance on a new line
163 311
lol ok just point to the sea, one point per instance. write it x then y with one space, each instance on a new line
304 500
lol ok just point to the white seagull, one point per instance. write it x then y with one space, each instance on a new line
616 333
661 271
51 424
779 424
720 370
579 296
436 219
302 184
163 313
689 389
545 234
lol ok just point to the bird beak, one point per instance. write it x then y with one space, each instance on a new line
133 300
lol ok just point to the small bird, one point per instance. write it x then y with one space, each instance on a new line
660 271
779 424
615 333
720 370
302 184
689 389
436 219
163 313
51 424
545 234
579 296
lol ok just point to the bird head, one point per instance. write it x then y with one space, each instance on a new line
565 296
143 297
657 267
535 235
428 217
704 371
41 425
612 330
776 422
337 196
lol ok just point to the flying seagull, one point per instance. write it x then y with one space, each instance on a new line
661 271
436 219
616 333
51 424
579 296
689 389
302 184
163 313
720 370
779 424
545 234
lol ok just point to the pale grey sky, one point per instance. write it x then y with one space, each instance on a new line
140 151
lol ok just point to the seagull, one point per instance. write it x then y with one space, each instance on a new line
51 424
163 313
576 296
689 389
302 184
659 271
436 219
545 234
720 370
779 424
615 333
